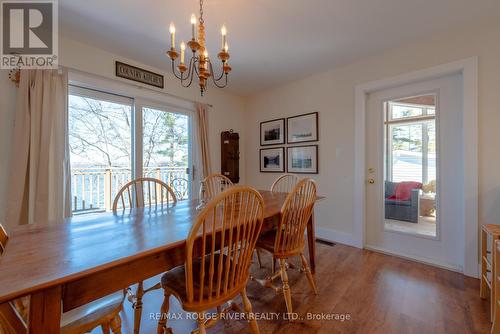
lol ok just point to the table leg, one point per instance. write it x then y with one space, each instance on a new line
311 241
45 311
483 291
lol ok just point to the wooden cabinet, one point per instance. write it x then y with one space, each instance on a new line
230 155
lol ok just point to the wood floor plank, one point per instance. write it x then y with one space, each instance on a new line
381 293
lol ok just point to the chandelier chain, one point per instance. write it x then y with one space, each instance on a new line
201 12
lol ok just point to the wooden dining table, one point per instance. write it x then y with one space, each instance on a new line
63 266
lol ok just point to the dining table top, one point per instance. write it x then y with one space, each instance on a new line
41 255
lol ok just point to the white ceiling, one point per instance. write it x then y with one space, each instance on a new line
270 41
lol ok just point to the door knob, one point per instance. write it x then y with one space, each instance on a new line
371 181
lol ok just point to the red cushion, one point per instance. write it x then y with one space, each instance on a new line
403 190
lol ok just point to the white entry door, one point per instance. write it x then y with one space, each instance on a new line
415 172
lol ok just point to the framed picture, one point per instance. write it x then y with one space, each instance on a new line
302 128
272 132
272 160
302 159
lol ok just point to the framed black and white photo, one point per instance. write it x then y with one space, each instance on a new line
302 128
302 159
272 160
272 132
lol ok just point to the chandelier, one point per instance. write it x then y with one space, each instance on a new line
200 64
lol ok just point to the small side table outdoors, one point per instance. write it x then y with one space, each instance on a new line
427 205
487 262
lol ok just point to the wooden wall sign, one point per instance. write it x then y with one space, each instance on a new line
138 74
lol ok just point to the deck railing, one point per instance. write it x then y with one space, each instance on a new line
94 189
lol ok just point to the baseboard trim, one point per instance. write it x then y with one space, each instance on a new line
331 235
416 258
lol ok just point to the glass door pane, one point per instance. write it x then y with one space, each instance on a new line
410 166
166 149
100 144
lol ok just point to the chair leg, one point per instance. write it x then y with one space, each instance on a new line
116 324
254 328
495 328
273 266
309 275
258 257
286 287
162 323
201 324
105 328
138 307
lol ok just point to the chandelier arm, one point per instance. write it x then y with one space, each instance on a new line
190 72
175 73
196 68
213 72
215 81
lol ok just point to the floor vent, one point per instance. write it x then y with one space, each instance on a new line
324 242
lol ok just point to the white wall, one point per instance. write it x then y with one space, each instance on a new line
227 112
332 94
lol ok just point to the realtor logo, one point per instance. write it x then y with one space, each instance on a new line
29 33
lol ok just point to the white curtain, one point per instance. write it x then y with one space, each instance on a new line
40 182
203 140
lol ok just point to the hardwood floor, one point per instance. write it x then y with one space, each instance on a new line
380 293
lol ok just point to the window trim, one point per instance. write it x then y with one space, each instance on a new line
389 123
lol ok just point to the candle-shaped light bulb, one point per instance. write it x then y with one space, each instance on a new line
183 49
226 47
172 35
193 25
223 32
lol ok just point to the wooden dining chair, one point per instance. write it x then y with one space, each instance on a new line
285 183
288 240
495 279
215 184
104 312
139 193
219 251
144 191
180 187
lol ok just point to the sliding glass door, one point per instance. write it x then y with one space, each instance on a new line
166 147
114 139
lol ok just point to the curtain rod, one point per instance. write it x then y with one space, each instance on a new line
136 85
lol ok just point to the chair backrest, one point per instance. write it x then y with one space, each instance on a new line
13 315
180 187
224 237
4 237
285 183
295 213
143 192
215 184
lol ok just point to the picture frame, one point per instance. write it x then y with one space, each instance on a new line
302 159
272 132
272 160
302 128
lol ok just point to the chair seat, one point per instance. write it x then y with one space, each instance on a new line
174 280
82 318
266 240
88 314
397 202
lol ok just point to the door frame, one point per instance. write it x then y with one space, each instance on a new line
468 68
